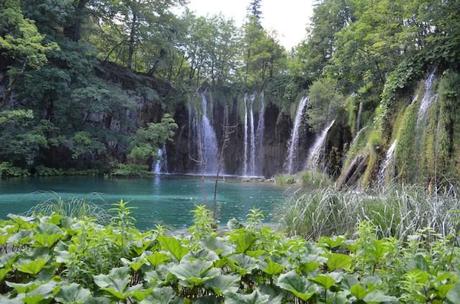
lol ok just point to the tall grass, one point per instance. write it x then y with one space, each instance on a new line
397 212
74 208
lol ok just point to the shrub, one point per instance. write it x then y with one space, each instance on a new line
284 179
130 170
60 259
8 170
315 179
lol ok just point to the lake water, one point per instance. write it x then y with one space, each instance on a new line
157 200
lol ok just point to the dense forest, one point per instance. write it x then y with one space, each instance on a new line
102 86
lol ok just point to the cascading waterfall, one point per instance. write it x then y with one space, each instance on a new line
245 139
428 98
358 118
316 152
387 169
252 138
161 164
294 140
208 141
260 136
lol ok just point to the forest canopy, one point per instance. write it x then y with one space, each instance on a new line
76 74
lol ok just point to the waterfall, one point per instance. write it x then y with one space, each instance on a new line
260 136
358 118
252 138
245 139
387 167
209 150
316 152
294 140
161 164
428 98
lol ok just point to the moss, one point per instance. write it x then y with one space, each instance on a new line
405 164
372 165
428 150
448 131
357 145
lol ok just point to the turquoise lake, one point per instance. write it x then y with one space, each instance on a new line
165 200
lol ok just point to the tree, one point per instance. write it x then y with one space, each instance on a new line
255 9
146 142
263 56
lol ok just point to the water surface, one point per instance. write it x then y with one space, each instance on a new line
157 200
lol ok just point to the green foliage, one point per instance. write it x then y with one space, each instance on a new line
314 179
147 140
324 101
20 38
86 263
284 179
130 170
8 170
203 223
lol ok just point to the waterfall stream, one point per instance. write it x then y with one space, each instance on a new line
428 98
208 141
291 160
358 118
252 138
260 136
387 171
161 164
316 152
245 138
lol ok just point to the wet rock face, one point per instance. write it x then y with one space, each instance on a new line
182 151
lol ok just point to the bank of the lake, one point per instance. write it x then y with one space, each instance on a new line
166 200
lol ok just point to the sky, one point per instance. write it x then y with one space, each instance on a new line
288 18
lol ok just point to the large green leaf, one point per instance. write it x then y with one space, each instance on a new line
223 284
243 264
254 298
378 297
157 258
324 280
163 295
218 245
48 235
243 240
454 294
72 294
297 285
34 292
358 291
115 283
194 273
273 268
173 245
338 261
31 266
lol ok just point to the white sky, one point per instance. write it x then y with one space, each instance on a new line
288 18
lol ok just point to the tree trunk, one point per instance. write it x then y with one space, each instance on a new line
73 31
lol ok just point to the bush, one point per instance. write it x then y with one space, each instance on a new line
60 259
131 170
284 179
8 170
315 179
